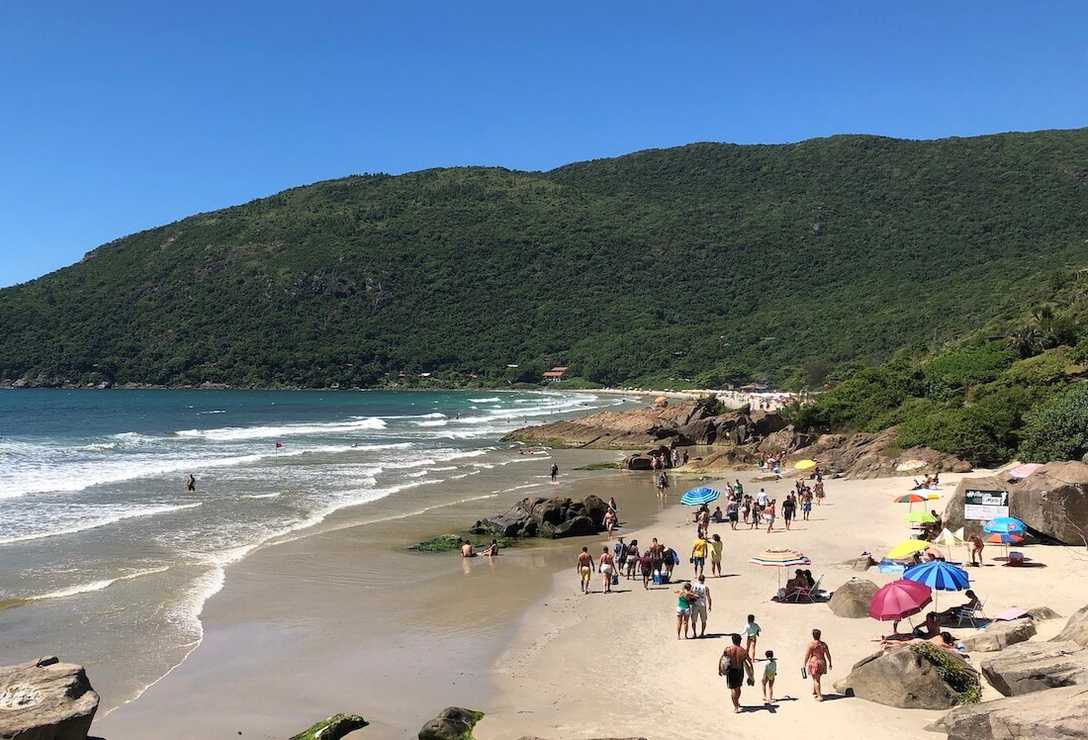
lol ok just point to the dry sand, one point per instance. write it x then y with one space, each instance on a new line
611 666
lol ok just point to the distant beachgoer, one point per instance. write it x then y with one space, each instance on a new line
770 671
492 549
609 521
819 491
955 613
619 552
931 628
817 662
466 550
646 566
789 506
806 505
657 555
762 499
605 567
671 559
555 472
769 511
703 605
734 663
632 559
716 555
190 485
613 505
585 568
752 632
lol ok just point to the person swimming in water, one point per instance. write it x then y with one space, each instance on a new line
190 485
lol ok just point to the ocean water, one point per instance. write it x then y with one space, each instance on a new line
102 545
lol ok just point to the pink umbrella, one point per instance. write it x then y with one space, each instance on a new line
1010 614
899 600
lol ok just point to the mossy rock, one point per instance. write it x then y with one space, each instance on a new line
452 723
452 542
333 728
955 672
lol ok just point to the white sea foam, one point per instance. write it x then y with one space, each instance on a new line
230 434
84 588
263 495
493 399
99 522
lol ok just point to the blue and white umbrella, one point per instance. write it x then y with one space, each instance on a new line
938 575
700 496
1004 525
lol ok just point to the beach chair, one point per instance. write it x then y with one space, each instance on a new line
813 593
972 615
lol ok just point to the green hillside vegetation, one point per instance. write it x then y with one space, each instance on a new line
987 400
703 264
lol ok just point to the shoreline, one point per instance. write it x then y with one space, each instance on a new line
297 588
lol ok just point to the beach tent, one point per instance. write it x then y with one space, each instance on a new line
700 496
950 539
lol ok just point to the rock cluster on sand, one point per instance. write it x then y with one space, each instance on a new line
912 677
852 598
863 455
1036 666
452 723
1058 714
1052 501
999 635
46 700
333 728
547 517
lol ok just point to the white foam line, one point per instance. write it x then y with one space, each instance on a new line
96 585
102 523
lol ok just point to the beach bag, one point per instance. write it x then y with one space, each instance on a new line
615 579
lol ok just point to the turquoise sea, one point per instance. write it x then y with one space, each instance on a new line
101 543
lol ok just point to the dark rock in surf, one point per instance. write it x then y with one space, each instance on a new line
452 723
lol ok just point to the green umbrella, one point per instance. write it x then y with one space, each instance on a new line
921 517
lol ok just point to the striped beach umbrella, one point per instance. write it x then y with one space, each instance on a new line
700 496
909 498
780 558
938 576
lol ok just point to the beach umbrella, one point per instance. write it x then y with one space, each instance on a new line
1023 471
1004 525
920 517
950 539
780 558
899 600
700 496
1004 538
804 464
933 496
938 575
907 547
909 498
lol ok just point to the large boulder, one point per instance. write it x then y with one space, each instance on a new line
999 635
333 728
1035 666
452 723
852 598
912 676
46 700
1059 714
1052 501
547 517
1076 629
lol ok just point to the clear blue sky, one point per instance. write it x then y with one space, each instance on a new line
115 117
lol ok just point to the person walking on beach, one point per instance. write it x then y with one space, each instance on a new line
671 559
716 545
685 600
620 553
770 671
734 663
752 632
817 662
789 506
605 567
770 515
698 555
555 472
190 485
646 565
657 555
806 504
702 607
585 568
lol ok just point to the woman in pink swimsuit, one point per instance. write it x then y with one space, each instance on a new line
817 662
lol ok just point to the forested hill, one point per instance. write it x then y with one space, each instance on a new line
707 260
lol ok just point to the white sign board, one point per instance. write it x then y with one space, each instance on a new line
985 505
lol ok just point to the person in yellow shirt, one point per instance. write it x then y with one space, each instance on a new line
698 555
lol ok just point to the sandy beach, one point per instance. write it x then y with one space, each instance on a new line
610 665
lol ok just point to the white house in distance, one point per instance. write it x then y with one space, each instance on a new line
555 374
